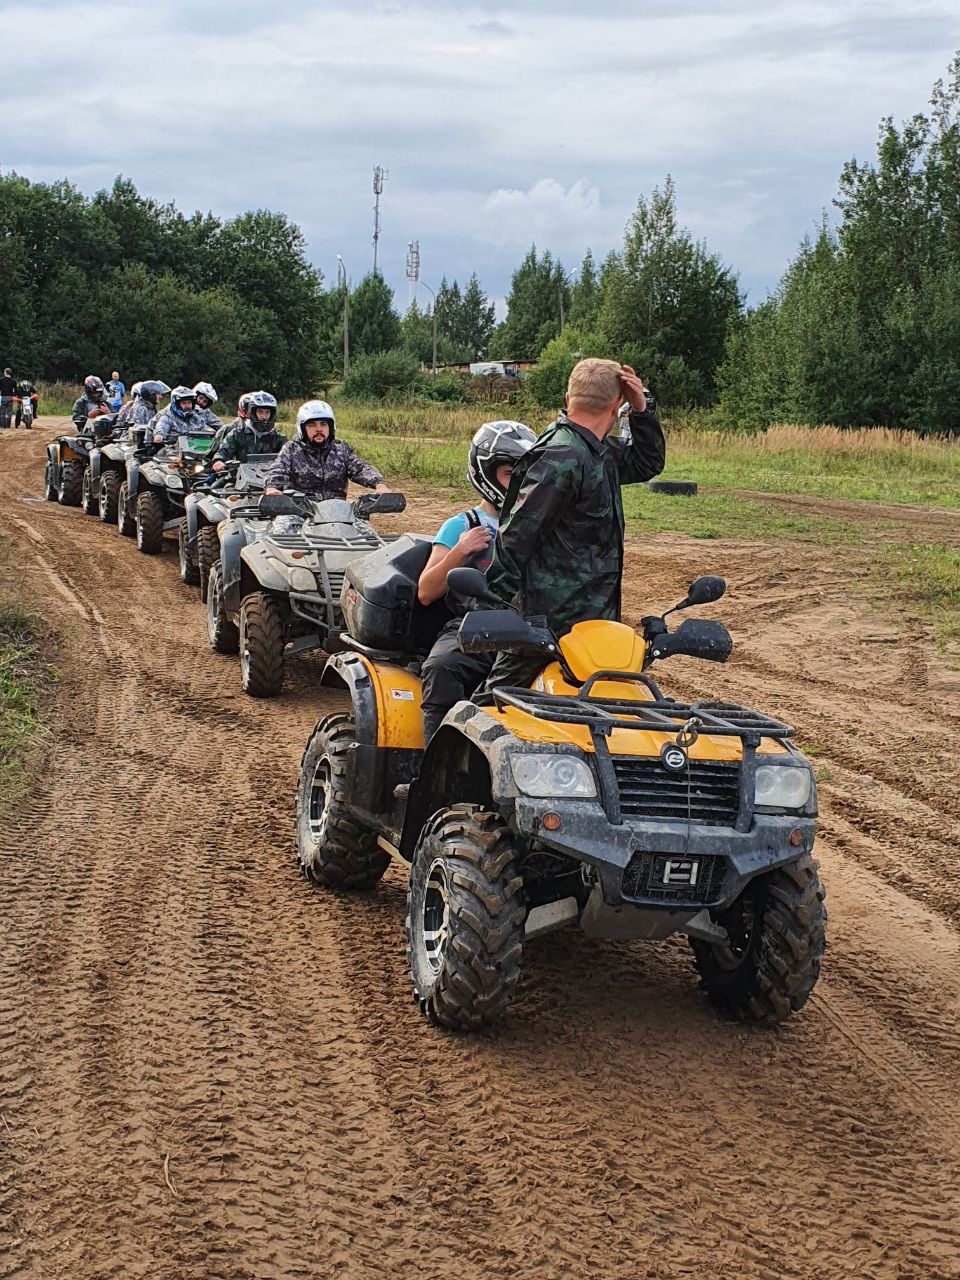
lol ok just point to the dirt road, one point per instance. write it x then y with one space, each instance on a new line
210 1070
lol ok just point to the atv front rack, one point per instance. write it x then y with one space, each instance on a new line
661 715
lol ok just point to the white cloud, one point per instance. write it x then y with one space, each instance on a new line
548 214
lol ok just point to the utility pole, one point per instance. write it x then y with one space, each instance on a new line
380 176
433 367
342 272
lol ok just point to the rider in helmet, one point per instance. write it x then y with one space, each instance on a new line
448 676
206 397
316 463
91 404
145 403
257 434
179 418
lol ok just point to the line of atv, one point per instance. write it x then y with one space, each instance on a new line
590 799
269 568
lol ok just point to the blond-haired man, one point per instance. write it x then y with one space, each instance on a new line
559 548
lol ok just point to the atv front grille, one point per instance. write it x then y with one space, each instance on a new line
675 879
705 791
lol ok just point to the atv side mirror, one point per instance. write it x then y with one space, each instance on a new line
139 435
279 504
695 638
381 504
468 584
703 591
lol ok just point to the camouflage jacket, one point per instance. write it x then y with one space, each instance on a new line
135 413
241 442
171 425
559 549
208 418
322 471
82 406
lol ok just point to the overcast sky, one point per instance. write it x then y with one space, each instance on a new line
499 125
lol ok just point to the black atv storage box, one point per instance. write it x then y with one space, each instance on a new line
379 598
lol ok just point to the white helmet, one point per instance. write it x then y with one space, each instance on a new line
261 400
205 389
315 411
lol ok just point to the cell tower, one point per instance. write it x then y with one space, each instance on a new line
413 265
380 176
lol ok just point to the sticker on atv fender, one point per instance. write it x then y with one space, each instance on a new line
402 695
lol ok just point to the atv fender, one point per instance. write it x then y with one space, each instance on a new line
233 539
133 477
389 727
94 457
53 453
191 508
266 569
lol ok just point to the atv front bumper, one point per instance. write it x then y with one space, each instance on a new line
665 863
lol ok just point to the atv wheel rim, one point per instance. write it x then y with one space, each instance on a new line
244 648
435 918
740 929
317 809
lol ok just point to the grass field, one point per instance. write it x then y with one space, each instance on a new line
19 693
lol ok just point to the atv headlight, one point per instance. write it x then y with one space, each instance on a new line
553 775
174 482
782 786
302 580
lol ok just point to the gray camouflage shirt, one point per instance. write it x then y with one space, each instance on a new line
321 471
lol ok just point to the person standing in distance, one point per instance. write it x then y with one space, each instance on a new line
559 548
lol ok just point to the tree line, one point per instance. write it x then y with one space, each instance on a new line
861 329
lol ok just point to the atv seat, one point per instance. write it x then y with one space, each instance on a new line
381 612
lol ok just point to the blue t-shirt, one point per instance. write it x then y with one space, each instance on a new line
449 533
116 392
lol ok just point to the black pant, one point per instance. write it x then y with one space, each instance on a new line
448 676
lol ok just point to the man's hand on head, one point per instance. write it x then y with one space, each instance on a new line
632 389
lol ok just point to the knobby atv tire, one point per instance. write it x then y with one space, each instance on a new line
107 497
777 930
221 632
49 488
88 495
208 553
189 573
262 642
333 849
149 524
680 488
71 484
465 917
126 521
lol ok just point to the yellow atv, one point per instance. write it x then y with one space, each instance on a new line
591 798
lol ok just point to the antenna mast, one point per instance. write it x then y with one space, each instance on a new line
380 176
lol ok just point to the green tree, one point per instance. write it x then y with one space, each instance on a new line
374 324
539 291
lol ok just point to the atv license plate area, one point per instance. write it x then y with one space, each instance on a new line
674 877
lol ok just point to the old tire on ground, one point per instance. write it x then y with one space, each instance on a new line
107 497
208 553
777 939
333 849
149 523
221 632
126 520
50 490
680 488
88 494
465 916
189 573
71 483
262 642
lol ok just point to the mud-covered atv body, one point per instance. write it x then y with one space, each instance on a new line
152 496
232 490
68 457
590 799
277 589
107 469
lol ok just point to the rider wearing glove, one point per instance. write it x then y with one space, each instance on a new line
448 675
255 434
316 463
92 404
206 397
179 418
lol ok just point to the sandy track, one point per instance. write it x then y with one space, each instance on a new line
209 1070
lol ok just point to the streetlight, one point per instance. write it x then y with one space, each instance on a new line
433 367
342 270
